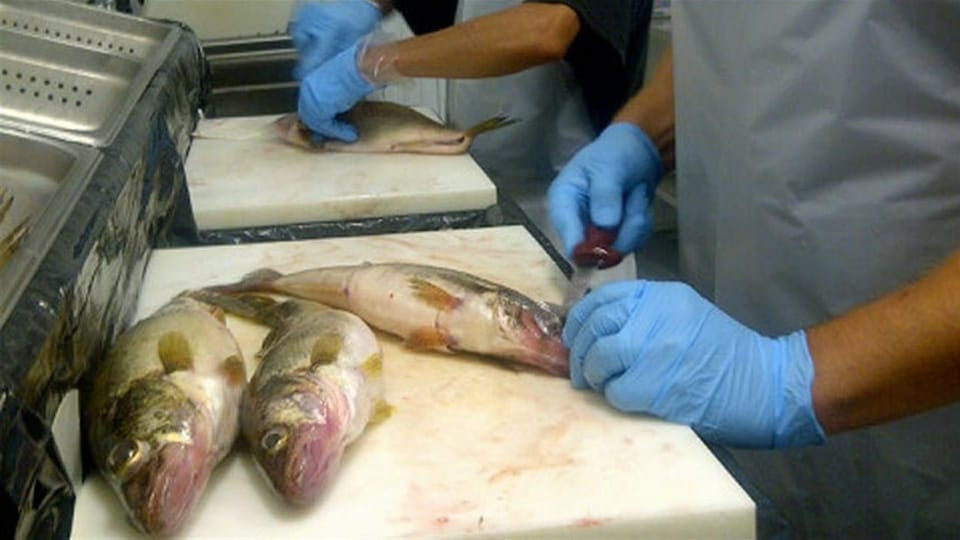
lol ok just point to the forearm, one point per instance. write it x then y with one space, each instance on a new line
499 44
890 358
652 109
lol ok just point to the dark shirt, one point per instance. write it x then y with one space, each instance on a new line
609 54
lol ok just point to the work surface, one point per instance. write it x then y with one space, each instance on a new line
472 448
240 175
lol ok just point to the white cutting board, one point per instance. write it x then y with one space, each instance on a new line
253 179
473 449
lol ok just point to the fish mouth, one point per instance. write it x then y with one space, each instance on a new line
535 333
301 458
161 496
314 458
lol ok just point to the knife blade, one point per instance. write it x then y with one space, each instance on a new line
594 253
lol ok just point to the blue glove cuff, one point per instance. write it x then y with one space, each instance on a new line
796 421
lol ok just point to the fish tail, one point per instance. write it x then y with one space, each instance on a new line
257 281
490 124
255 307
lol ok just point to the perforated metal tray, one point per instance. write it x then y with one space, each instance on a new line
72 71
46 178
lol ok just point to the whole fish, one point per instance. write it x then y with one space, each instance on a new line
431 308
10 242
317 387
6 200
162 410
386 127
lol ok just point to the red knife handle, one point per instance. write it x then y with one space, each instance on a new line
595 250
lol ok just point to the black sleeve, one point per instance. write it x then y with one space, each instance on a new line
609 54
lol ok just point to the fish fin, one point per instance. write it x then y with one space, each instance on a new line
433 295
174 352
372 366
381 411
234 370
326 349
425 338
219 314
258 280
256 307
490 124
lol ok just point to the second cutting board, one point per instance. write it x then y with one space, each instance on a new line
246 178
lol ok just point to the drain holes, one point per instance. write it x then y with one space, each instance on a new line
8 87
78 103
49 97
89 91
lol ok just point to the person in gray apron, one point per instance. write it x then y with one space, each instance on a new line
818 169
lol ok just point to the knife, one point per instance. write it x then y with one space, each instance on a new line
594 253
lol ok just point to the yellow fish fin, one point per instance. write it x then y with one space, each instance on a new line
326 349
425 338
373 366
234 369
174 352
433 295
381 411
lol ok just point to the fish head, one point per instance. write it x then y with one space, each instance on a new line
531 332
299 434
159 455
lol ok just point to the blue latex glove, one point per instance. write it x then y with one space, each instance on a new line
329 90
320 30
610 182
660 348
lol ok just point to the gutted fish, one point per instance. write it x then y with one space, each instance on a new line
385 127
162 410
431 308
317 387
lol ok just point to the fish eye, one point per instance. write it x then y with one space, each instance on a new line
274 439
123 456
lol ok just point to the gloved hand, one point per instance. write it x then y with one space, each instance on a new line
320 30
610 182
329 90
660 348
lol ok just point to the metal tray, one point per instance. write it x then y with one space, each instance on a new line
46 178
72 71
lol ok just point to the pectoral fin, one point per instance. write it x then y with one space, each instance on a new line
433 295
234 370
173 348
426 338
326 349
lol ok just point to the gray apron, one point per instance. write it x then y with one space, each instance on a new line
818 166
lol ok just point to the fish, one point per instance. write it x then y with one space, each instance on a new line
431 308
162 410
318 385
10 242
387 127
6 201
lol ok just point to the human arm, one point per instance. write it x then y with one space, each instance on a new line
660 348
890 358
611 182
501 43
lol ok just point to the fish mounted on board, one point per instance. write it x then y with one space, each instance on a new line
385 127
161 411
431 308
317 387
